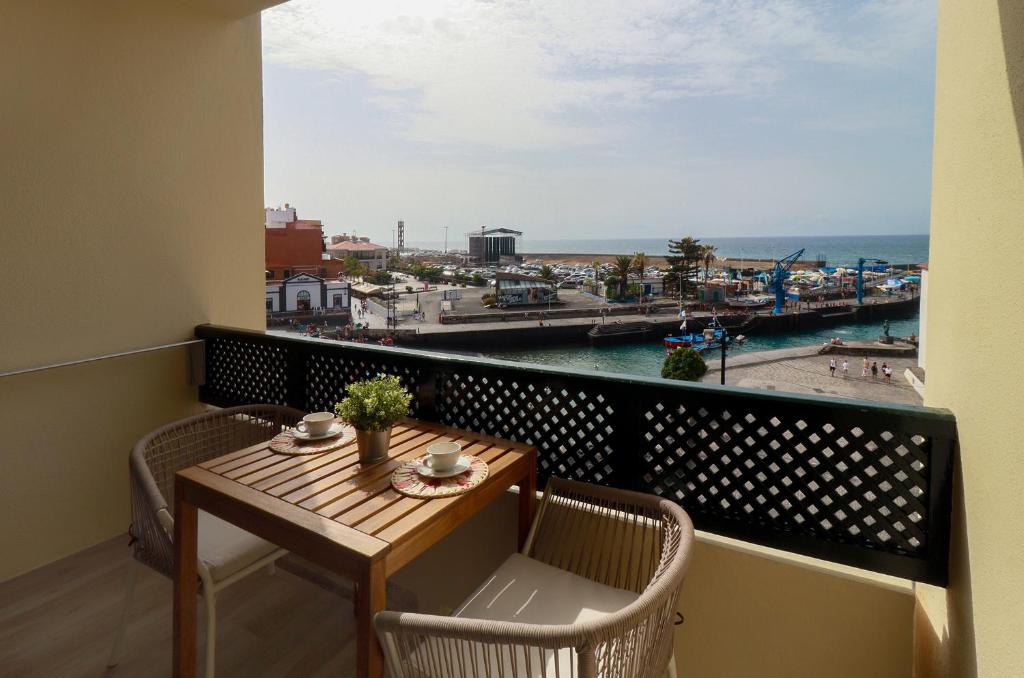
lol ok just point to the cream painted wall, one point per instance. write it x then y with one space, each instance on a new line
132 176
65 443
975 627
131 187
748 615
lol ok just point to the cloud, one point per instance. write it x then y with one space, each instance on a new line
541 74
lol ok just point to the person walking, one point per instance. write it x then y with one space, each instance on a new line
874 370
865 368
832 367
887 372
846 368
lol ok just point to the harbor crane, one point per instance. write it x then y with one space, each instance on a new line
779 274
860 276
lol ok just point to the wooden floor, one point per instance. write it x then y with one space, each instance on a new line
60 621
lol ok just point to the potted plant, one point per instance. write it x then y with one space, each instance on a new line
372 407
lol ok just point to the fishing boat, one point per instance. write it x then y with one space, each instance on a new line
698 342
752 301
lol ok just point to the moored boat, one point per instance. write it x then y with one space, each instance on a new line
753 301
698 342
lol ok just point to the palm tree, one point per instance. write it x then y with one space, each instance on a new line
708 259
639 264
546 272
596 265
622 267
352 267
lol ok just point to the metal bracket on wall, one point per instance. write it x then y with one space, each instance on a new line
197 363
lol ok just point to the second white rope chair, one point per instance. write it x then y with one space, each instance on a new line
593 593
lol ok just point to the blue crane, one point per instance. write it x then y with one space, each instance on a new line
779 274
860 276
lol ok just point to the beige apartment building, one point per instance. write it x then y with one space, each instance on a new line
155 107
370 255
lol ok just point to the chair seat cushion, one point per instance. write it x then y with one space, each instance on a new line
226 549
526 590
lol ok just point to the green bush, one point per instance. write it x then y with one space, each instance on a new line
611 285
378 278
374 404
684 364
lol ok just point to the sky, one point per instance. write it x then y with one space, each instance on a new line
591 119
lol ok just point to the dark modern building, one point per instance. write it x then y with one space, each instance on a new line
493 246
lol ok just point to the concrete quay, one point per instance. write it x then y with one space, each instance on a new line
805 370
483 336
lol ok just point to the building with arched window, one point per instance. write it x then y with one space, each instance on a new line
306 292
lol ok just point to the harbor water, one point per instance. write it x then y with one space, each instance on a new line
646 358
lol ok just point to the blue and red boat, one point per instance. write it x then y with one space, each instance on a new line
698 342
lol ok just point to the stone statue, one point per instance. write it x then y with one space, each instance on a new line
885 328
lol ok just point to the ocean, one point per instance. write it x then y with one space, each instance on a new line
837 250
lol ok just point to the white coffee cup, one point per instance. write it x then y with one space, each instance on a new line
316 424
443 456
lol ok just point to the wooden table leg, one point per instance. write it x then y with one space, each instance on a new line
185 585
371 595
527 500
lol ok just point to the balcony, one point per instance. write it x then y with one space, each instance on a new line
133 223
815 516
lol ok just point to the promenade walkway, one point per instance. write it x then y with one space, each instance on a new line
802 370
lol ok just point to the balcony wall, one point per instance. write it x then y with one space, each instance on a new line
132 173
974 627
132 193
66 437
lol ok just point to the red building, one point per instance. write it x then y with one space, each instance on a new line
295 246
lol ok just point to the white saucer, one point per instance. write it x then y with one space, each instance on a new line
461 466
335 429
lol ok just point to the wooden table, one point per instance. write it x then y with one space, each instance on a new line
333 511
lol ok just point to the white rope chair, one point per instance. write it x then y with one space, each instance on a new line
593 593
226 553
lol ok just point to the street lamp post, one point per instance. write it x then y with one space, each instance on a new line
725 337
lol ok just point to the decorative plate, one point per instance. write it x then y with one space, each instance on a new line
409 482
287 443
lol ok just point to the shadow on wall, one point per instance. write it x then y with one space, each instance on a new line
1011 19
949 650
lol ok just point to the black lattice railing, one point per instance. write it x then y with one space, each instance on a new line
858 483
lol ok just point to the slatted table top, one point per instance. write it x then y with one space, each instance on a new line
333 488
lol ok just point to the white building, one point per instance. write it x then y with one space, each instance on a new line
280 217
306 292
